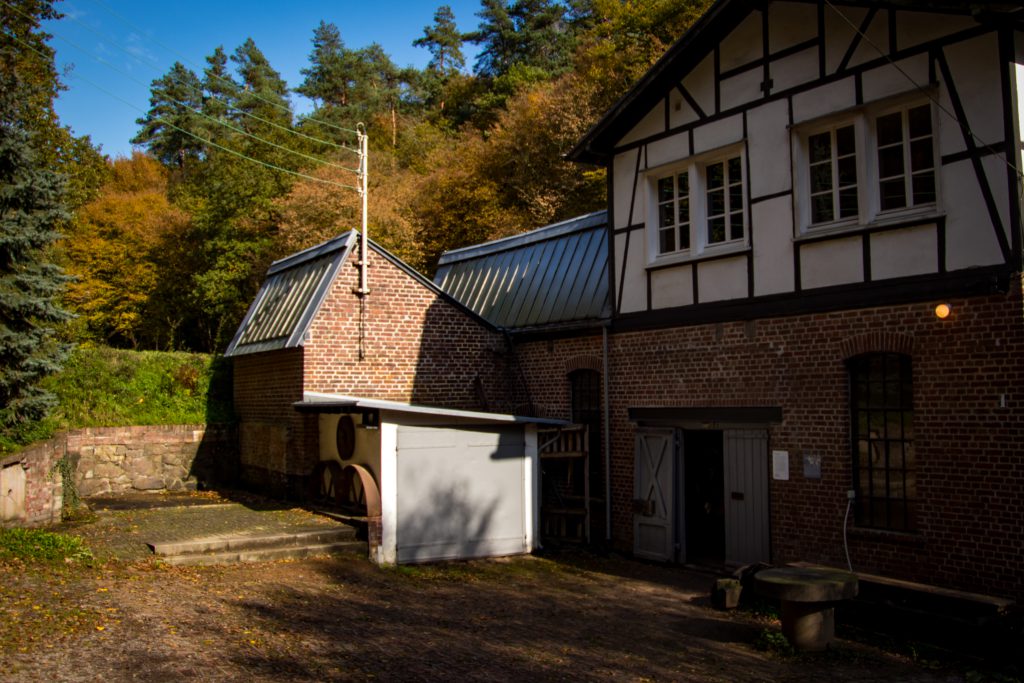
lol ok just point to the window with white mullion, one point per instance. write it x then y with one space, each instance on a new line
906 161
674 213
832 156
724 190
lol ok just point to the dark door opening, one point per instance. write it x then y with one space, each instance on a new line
704 496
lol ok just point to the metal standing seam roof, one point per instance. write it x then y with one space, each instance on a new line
555 274
289 298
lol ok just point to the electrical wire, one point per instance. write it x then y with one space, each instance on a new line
925 91
128 23
286 129
217 121
190 133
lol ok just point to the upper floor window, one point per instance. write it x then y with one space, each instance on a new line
867 167
699 204
906 158
832 165
882 436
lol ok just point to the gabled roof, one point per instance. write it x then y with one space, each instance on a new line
721 18
557 274
290 297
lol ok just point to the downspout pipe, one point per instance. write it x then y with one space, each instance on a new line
607 435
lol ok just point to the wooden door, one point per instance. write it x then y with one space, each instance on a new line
653 510
746 496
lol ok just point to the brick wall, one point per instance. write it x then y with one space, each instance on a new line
970 451
417 347
272 435
38 497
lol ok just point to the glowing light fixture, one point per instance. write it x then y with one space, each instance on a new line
942 311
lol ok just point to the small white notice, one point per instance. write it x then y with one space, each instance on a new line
780 464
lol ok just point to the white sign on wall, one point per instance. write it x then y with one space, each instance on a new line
780 465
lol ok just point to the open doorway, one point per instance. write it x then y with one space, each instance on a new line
704 497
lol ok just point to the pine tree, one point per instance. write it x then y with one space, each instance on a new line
445 44
31 207
169 128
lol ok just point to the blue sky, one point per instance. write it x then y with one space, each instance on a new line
122 45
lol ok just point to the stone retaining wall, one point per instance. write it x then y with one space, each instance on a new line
151 458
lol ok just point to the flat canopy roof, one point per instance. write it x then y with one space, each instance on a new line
315 402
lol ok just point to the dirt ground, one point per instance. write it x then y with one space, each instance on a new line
573 617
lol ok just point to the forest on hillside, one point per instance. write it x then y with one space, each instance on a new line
165 249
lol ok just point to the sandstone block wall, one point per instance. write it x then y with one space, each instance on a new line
150 458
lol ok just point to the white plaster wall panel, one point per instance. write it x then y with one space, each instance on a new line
976 74
722 280
888 80
823 100
773 246
791 23
1019 95
700 83
836 262
995 170
970 238
742 88
794 70
768 149
668 150
652 124
623 175
839 33
672 287
875 44
634 258
680 112
743 45
727 131
904 252
914 28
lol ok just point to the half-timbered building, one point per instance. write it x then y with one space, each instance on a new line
815 246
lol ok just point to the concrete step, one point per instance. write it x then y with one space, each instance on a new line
265 554
243 542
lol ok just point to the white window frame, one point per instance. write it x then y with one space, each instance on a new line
869 211
696 167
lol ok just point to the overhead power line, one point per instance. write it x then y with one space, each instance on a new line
925 91
190 133
152 65
131 25
206 116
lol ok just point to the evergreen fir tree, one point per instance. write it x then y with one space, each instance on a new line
31 206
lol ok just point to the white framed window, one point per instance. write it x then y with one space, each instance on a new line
698 205
872 166
906 158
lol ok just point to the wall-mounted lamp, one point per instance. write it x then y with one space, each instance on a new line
943 311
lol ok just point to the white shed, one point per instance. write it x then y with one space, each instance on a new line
447 484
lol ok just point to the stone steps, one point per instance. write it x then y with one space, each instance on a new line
232 549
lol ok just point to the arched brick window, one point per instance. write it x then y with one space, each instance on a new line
882 439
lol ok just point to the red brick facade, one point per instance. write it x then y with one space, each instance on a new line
968 372
417 347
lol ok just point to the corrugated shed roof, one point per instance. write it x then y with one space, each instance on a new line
289 298
555 274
